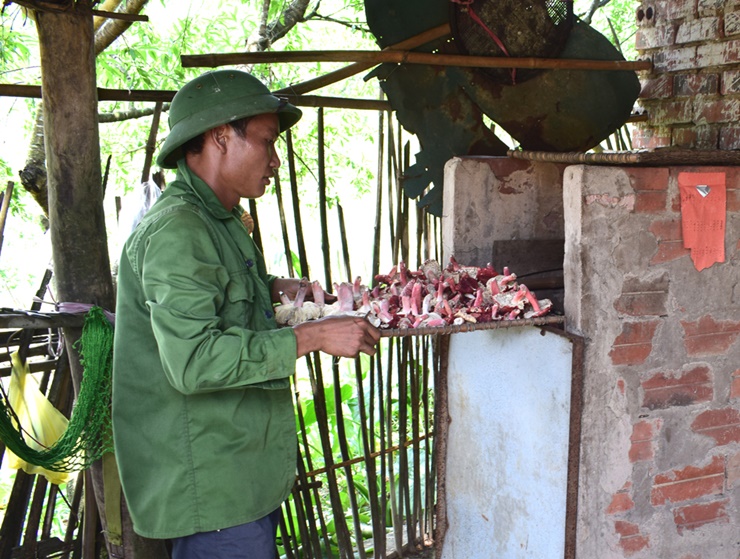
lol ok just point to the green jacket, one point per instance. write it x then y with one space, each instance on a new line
203 420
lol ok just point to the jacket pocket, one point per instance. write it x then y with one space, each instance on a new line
239 305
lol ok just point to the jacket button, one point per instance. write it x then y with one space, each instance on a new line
249 262
268 314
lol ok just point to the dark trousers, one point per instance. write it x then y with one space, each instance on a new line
254 540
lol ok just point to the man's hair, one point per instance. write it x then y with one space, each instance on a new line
195 145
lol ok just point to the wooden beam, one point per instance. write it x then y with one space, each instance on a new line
154 96
406 57
338 75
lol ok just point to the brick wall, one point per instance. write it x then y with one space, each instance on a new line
692 94
660 448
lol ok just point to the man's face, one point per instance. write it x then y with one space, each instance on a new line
251 161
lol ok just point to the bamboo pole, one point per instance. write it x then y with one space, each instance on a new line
375 269
317 385
407 57
322 200
348 71
296 205
370 468
381 545
256 234
344 451
283 225
345 244
304 481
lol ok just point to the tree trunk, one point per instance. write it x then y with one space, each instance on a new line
76 218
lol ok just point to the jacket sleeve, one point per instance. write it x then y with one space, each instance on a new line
185 285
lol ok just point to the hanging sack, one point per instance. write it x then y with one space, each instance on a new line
40 422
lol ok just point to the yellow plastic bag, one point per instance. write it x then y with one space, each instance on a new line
43 424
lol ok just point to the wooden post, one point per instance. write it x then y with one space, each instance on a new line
77 224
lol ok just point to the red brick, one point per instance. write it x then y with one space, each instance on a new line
689 483
657 88
655 37
672 112
717 54
696 137
643 435
650 202
630 539
733 471
735 386
722 425
669 251
729 138
730 81
649 178
634 344
689 85
677 9
707 336
647 137
720 110
621 501
696 30
668 230
643 297
707 7
732 23
691 517
677 59
663 391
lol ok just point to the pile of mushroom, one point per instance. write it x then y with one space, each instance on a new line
432 296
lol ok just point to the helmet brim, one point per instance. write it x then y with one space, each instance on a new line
235 109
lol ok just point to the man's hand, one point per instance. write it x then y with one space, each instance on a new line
290 286
341 336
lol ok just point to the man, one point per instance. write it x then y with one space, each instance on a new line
203 421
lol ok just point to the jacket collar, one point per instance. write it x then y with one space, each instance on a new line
192 183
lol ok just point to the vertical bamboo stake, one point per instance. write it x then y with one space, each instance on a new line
393 490
441 428
284 226
391 197
304 481
317 384
405 364
344 450
256 235
429 343
366 433
375 269
287 532
74 516
380 550
297 206
345 246
322 202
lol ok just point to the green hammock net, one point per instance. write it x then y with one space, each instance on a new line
88 434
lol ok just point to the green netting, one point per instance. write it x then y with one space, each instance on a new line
88 434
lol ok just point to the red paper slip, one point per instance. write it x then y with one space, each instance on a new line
703 209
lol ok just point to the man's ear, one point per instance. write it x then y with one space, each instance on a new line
218 135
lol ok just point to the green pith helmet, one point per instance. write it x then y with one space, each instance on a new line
216 98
